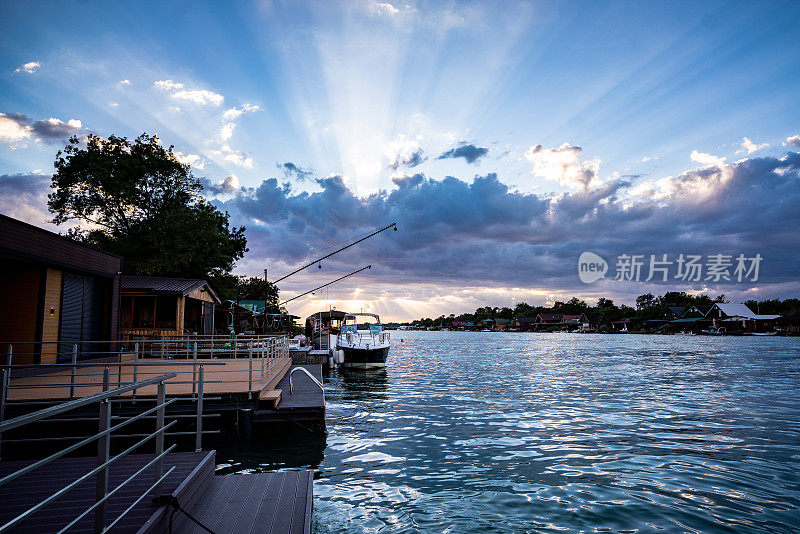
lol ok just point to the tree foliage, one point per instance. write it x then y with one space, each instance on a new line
137 200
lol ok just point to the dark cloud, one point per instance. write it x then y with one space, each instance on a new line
470 153
291 170
24 196
411 160
457 233
226 186
47 130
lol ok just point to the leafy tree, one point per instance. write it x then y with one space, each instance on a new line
137 200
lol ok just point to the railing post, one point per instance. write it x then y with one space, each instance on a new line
198 441
3 394
72 371
9 358
119 369
194 368
103 451
250 373
135 367
159 465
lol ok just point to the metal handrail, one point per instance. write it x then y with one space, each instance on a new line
103 436
312 377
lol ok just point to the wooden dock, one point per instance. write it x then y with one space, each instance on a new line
307 403
234 377
266 502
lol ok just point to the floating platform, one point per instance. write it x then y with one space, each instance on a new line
307 403
266 502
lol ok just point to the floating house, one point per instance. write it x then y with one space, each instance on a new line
155 306
549 318
56 292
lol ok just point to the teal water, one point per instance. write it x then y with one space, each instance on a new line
511 432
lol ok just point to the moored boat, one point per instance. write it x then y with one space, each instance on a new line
365 348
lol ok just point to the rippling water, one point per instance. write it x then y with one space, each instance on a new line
469 432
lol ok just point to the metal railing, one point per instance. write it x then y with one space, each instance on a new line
312 377
132 358
103 438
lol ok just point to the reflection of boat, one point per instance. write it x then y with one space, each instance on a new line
773 333
714 331
364 348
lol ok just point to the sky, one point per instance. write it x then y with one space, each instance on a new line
503 138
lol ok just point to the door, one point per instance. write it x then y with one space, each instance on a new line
80 316
208 318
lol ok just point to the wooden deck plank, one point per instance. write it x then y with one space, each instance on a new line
212 512
250 508
282 521
232 513
235 373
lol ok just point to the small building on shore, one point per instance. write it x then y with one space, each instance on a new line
56 292
740 317
155 306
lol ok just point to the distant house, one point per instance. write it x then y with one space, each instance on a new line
623 325
693 312
56 293
673 312
739 314
502 324
549 318
155 306
525 323
571 319
590 321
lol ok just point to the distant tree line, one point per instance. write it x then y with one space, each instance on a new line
648 306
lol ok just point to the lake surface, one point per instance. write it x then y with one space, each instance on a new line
510 432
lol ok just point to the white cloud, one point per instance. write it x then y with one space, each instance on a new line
125 82
167 85
201 97
748 146
235 113
564 165
175 109
29 67
401 151
229 184
13 130
383 8
792 141
707 160
226 132
113 104
177 90
194 160
236 157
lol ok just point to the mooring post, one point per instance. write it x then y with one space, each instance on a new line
103 452
198 442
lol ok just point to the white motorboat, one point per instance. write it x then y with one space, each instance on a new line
362 348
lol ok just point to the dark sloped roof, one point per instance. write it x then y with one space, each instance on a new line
551 316
162 285
592 317
676 310
524 320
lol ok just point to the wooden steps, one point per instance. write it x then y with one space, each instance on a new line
270 396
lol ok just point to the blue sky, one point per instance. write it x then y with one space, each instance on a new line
639 112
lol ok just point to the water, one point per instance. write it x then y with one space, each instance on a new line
473 432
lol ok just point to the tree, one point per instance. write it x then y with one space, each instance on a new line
137 200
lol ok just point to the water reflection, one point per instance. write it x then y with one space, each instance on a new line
503 432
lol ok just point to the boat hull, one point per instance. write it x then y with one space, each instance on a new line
355 358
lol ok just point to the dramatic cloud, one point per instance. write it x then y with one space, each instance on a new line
707 159
564 165
201 97
291 170
403 152
459 234
228 185
470 153
748 146
16 127
792 141
29 67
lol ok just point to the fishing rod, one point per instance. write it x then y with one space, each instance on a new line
325 285
393 225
